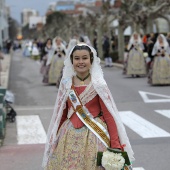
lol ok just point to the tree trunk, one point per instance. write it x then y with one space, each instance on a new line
136 27
149 27
99 41
121 44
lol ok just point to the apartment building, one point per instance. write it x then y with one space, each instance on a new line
26 14
3 23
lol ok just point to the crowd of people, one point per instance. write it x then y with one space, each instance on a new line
148 56
144 56
51 54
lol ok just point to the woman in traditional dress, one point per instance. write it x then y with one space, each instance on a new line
159 73
71 44
35 54
46 51
71 145
26 52
56 60
136 65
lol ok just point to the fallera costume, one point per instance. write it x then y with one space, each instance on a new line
35 54
46 48
56 62
136 62
71 44
159 73
70 144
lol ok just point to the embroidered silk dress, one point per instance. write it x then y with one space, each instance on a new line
159 73
77 146
136 63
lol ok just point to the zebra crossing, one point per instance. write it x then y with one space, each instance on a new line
141 126
165 113
31 131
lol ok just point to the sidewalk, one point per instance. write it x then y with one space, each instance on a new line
4 79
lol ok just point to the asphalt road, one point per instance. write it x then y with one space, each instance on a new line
146 119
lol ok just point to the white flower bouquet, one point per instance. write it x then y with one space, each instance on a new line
113 159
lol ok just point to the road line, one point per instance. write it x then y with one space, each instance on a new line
141 126
138 168
165 113
32 108
145 98
30 130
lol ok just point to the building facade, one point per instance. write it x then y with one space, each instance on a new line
3 23
36 20
26 14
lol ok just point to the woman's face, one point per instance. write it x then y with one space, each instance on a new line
49 42
58 41
81 61
135 36
160 39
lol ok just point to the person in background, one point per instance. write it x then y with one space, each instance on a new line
46 51
159 73
74 41
106 51
26 50
35 54
168 38
150 43
113 42
136 65
95 43
56 60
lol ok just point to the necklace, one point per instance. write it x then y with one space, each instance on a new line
82 80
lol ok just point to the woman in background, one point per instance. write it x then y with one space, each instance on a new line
159 73
136 65
46 51
56 60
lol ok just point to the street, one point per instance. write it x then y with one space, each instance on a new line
144 109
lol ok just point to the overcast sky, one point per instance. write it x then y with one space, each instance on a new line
16 6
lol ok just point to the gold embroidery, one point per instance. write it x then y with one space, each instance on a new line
93 125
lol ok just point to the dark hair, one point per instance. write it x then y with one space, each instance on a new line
82 47
48 39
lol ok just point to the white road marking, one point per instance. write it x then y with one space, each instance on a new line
141 126
145 98
30 130
33 108
165 113
140 168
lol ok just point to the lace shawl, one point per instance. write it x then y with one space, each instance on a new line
158 47
102 90
137 42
